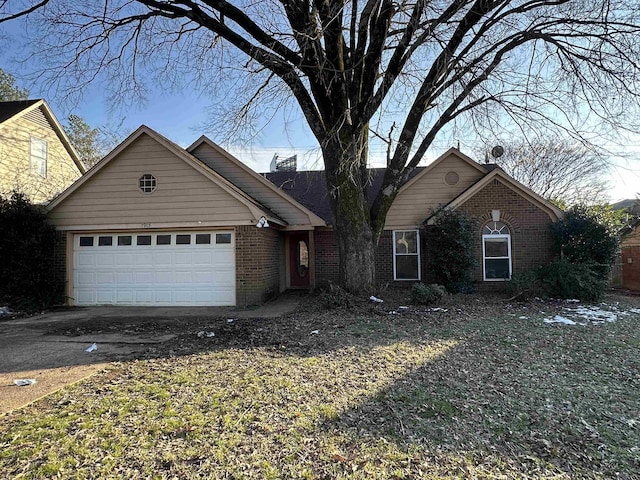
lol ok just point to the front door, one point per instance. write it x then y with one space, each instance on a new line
299 260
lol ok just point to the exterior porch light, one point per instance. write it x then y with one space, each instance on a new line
262 222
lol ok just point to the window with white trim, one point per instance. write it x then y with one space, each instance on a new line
496 252
38 157
406 255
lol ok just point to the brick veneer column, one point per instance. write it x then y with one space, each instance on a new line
258 253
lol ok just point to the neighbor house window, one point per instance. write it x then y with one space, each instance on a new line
39 156
496 251
406 255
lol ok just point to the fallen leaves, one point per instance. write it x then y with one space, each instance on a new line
470 389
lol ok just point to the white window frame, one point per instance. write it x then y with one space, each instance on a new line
37 163
506 236
417 254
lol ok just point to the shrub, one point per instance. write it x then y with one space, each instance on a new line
565 279
450 241
587 235
526 284
427 294
26 255
337 297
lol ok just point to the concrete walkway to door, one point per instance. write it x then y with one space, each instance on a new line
50 348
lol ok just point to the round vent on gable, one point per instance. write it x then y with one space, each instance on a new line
451 178
147 183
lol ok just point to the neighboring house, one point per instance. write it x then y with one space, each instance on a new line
36 157
155 224
630 249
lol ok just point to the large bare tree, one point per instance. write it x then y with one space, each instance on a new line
558 168
398 71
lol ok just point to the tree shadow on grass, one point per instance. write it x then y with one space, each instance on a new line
513 398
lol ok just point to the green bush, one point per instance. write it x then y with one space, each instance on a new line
27 279
427 294
526 284
565 279
560 279
450 257
587 235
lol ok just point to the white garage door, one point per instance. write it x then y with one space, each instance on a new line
163 268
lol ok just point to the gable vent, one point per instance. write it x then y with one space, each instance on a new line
36 116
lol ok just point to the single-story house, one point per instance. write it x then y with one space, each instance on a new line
156 224
630 249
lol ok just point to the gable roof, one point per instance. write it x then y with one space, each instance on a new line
310 188
314 218
12 108
10 111
257 209
497 173
452 151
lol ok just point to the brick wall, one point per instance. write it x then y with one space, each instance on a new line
326 258
258 254
384 258
531 240
631 267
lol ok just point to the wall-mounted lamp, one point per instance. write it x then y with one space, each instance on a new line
495 215
262 222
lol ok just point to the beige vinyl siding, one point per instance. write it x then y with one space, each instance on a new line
183 195
252 186
412 205
15 159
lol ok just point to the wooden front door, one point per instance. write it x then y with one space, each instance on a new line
299 257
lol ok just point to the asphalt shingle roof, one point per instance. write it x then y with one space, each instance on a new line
9 109
310 188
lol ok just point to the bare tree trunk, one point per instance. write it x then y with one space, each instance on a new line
348 179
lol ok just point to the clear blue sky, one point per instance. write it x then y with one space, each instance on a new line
182 115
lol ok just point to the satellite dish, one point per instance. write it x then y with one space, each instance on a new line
497 151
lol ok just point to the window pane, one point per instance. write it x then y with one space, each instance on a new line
302 259
407 267
124 240
163 240
143 240
39 156
203 238
223 238
183 239
497 268
496 247
105 241
406 242
86 241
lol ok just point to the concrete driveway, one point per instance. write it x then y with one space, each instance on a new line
50 348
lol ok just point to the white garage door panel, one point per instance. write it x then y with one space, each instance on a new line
186 274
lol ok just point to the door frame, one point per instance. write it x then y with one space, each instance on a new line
312 258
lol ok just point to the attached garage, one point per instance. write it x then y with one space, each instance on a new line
161 268
153 224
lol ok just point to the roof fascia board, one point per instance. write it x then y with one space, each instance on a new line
63 137
314 219
554 212
181 154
